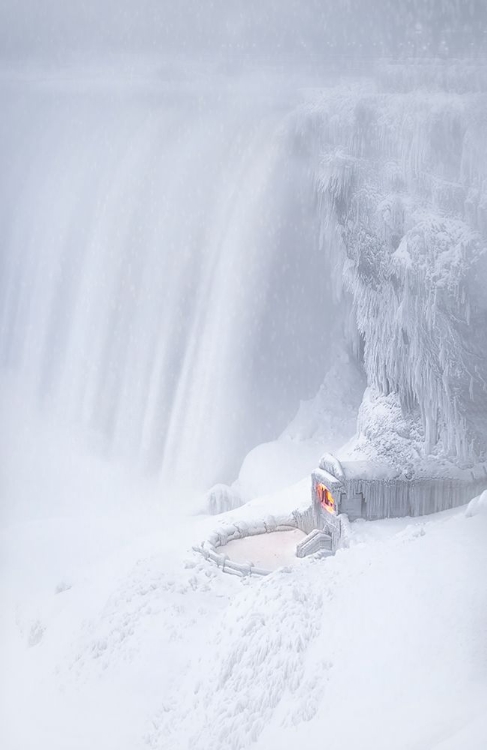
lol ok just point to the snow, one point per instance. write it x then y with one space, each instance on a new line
380 646
115 635
478 505
324 422
268 551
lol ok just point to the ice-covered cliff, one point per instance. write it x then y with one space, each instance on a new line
403 188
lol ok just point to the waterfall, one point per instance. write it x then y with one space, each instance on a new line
180 254
161 280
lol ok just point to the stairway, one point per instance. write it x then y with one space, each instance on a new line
316 541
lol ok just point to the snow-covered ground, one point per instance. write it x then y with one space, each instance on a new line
116 636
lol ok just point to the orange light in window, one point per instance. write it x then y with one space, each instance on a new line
326 498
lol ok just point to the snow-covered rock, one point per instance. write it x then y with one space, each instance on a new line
477 506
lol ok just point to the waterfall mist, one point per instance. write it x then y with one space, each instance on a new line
161 280
164 297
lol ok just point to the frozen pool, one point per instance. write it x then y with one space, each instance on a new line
268 551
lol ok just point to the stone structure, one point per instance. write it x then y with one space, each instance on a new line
342 492
361 489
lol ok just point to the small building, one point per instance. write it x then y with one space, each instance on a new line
363 489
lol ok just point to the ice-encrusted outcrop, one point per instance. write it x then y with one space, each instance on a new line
403 191
477 505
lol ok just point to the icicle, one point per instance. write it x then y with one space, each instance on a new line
411 299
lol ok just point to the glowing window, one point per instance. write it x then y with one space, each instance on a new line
326 498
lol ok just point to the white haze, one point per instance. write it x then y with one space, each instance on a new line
154 282
219 223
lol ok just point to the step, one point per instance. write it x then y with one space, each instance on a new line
316 541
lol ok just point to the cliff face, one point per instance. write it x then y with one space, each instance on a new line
403 188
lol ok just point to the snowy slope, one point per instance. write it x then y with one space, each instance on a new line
382 646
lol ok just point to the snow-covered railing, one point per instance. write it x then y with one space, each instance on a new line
240 530
303 520
345 532
398 498
333 525
317 541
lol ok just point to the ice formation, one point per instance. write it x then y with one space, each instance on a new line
403 186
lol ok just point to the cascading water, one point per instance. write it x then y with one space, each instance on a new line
159 264
173 254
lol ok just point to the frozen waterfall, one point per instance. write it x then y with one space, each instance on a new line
404 225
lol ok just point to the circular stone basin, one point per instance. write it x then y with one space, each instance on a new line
269 551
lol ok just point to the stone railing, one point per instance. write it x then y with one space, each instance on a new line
239 530
210 547
317 541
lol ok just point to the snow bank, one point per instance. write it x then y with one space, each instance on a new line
324 422
478 505
123 639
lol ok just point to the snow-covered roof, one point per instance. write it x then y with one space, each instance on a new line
333 470
327 479
369 470
379 471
